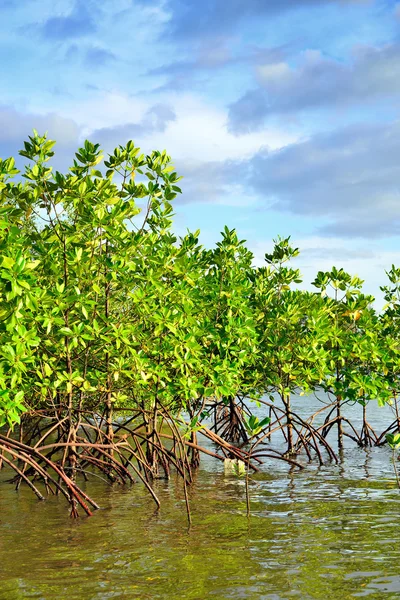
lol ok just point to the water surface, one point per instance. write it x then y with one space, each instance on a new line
327 532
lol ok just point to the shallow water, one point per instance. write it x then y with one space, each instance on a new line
326 532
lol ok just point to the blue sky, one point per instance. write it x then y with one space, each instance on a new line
282 115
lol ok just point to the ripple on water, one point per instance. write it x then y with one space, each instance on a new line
322 533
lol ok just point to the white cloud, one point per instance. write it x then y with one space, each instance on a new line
269 73
105 109
317 82
198 133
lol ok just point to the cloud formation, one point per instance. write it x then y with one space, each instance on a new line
98 57
212 57
349 177
190 20
156 119
347 181
235 85
76 23
318 82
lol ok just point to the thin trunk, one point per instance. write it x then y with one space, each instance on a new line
339 422
338 409
289 423
71 424
365 427
154 457
233 435
109 407
71 429
338 398
151 435
365 437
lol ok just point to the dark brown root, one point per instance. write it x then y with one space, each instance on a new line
52 450
228 420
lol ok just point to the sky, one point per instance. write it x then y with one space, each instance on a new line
283 116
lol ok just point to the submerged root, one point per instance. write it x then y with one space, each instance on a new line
147 445
308 438
43 469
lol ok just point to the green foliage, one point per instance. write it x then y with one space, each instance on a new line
104 308
291 324
18 305
119 312
393 439
354 344
254 426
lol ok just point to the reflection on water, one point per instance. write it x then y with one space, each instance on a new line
325 532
